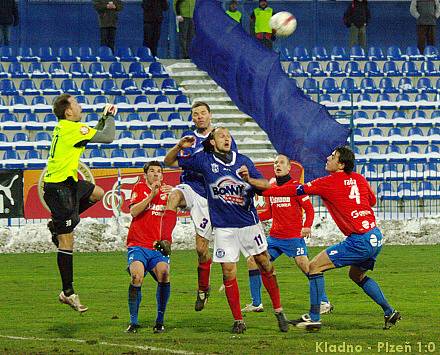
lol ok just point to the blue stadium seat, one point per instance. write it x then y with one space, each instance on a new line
415 131
169 87
10 122
424 102
183 103
357 53
285 55
77 70
419 114
406 85
69 86
32 122
137 70
144 54
395 131
26 54
410 69
159 152
17 162
89 87
109 87
385 103
7 87
157 70
97 70
329 85
368 85
333 68
365 102
375 132
98 159
66 54
427 190
120 159
431 52
375 53
394 149
36 70
130 88
163 104
48 87
413 53
295 69
149 87
3 138
155 121
300 53
370 172
404 102
372 149
390 69
46 54
17 100
394 53
434 131
3 73
339 53
143 104
16 70
105 54
425 85
360 115
428 68
57 70
319 53
405 191
386 85
348 85
139 157
100 99
431 170
50 117
123 103
85 54
124 54
314 69
34 155
27 87
147 135
412 149
310 86
117 70
324 98
7 54
385 191
372 69
390 172
92 117
135 122
141 99
411 171
344 101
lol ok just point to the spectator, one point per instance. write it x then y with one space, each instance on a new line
8 17
426 13
184 15
356 18
108 19
233 12
260 23
153 17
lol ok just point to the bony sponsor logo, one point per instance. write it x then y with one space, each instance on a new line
220 253
229 190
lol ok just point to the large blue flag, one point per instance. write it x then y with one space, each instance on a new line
253 77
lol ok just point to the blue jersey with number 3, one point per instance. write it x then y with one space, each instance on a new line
230 198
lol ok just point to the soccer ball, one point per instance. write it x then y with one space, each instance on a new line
284 23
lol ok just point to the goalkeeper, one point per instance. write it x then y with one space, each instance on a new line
65 195
146 252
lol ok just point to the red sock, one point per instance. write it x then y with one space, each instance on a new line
204 271
233 296
271 285
167 225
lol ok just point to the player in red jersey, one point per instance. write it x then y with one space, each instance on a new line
349 199
148 201
287 233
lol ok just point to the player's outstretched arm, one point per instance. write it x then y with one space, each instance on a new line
284 190
257 183
106 125
171 157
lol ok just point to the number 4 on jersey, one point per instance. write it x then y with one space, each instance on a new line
354 194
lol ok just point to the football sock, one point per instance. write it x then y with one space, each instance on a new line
324 297
162 296
65 266
134 300
233 296
167 224
85 205
316 285
255 286
372 289
204 270
270 283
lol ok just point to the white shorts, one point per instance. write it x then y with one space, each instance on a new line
228 242
198 208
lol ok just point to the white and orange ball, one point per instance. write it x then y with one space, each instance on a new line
284 23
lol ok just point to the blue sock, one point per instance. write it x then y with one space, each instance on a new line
324 297
372 289
162 296
316 283
255 286
134 300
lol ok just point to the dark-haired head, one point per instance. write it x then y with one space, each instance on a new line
346 157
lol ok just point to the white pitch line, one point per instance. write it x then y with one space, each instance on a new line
82 341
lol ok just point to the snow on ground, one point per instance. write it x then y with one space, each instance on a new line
92 235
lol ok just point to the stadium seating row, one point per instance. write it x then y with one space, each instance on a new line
406 191
399 172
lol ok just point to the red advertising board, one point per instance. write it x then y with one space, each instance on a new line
117 185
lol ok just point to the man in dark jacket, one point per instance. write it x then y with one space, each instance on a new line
356 17
153 16
426 12
8 18
108 19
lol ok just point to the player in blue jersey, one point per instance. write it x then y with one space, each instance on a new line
191 194
230 178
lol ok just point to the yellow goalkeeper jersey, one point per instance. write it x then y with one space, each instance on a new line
68 143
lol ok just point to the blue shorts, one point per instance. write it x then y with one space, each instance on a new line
358 250
149 258
292 247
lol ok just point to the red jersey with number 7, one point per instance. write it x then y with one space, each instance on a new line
348 198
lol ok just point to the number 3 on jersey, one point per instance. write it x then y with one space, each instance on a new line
354 194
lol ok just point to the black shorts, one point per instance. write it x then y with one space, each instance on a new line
63 200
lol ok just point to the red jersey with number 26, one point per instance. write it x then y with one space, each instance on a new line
348 198
287 214
145 227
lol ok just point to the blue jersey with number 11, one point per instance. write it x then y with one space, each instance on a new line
230 198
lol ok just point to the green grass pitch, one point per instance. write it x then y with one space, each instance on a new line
32 320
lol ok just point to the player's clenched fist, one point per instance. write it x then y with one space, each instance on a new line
186 142
110 110
244 172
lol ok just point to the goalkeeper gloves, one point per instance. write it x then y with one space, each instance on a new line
109 110
163 246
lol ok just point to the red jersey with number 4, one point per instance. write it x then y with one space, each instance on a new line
287 214
145 227
348 198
